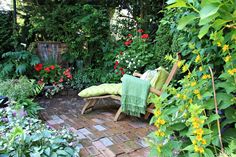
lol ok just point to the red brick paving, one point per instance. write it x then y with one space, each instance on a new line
98 134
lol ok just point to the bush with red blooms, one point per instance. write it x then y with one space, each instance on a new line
53 75
135 54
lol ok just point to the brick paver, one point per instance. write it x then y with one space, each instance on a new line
99 136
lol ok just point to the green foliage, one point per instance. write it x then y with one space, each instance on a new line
21 91
206 37
21 88
25 136
6 32
89 77
18 63
162 47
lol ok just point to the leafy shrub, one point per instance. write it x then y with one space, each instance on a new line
17 63
24 136
21 88
197 118
136 54
163 40
89 77
22 91
6 31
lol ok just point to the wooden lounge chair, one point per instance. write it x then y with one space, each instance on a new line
91 101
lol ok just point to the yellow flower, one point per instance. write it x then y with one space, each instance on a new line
206 76
194 142
190 101
201 150
178 95
198 58
185 68
180 64
157 124
199 96
225 48
196 91
189 75
196 125
195 119
203 141
199 137
196 149
162 134
162 122
218 44
184 97
157 112
231 71
200 68
199 131
227 58
193 83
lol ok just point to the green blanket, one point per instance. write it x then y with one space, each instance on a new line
134 95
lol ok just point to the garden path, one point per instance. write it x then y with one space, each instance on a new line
99 135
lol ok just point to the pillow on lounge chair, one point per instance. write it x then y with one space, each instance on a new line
157 82
103 89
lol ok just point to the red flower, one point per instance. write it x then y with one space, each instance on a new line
61 79
117 73
130 35
38 67
116 63
47 69
52 67
127 43
67 73
40 82
122 72
121 69
145 36
121 53
140 30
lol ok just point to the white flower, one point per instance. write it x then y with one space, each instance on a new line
132 59
139 61
127 61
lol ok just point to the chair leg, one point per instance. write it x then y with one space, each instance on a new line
118 114
88 104
151 107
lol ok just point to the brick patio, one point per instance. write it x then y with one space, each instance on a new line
99 135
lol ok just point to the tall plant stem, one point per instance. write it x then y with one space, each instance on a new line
216 109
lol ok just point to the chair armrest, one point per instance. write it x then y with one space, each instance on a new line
136 74
155 91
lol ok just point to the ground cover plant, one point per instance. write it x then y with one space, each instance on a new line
198 117
25 136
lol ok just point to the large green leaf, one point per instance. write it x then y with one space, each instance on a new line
212 118
208 153
208 10
218 24
186 20
228 86
178 3
225 100
203 31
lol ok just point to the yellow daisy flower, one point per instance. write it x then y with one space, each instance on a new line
225 48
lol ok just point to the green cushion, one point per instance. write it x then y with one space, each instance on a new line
103 89
157 82
159 79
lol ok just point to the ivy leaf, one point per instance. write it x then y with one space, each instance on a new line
208 10
203 31
186 20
